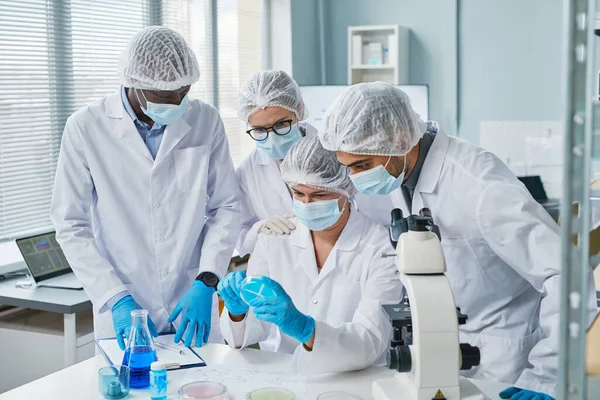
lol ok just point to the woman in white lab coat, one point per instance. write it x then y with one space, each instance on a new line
271 104
502 248
328 275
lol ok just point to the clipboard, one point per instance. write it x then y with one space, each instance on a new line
112 353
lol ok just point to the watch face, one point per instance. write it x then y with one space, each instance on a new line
209 279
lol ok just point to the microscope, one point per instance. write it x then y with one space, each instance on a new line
425 349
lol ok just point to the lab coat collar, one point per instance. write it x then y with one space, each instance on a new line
262 158
173 135
352 232
432 167
348 241
125 127
114 106
269 170
127 131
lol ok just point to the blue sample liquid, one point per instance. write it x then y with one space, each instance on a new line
139 361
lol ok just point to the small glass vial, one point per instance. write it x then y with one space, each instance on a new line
158 381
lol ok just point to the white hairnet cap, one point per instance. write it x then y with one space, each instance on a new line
308 163
158 58
372 119
271 89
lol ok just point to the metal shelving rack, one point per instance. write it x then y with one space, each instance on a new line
582 119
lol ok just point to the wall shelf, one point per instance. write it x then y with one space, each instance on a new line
378 53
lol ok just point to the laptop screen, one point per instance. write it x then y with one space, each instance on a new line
535 186
43 256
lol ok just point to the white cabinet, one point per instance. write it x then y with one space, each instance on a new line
32 343
378 53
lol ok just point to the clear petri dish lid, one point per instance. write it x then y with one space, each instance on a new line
338 395
202 390
253 287
270 393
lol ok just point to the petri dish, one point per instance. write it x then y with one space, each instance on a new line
270 394
253 287
202 390
338 395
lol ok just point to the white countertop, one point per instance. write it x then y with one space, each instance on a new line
80 381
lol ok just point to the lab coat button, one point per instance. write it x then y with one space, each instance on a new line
315 301
160 239
157 204
164 272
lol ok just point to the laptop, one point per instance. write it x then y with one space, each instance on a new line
46 262
536 187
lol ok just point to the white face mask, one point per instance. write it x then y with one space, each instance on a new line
164 114
378 181
318 215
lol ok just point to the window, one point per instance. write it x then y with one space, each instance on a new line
57 56
236 44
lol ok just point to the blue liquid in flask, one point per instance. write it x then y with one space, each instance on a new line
140 352
139 359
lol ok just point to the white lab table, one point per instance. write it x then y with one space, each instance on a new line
80 381
63 301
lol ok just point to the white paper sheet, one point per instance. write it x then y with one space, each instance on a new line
241 380
112 350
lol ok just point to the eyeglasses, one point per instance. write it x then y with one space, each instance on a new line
280 128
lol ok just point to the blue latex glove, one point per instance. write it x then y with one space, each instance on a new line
229 289
514 393
195 307
280 310
121 315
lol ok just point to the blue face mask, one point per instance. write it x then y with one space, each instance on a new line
277 146
317 215
165 114
377 181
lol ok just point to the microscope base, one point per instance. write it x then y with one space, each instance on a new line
400 386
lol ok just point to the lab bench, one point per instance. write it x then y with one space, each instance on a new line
80 381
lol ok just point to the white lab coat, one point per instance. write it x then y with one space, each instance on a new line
128 222
264 193
502 252
352 332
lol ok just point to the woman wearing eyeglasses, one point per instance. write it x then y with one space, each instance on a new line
271 104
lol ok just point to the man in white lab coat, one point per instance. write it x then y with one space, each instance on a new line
502 248
327 276
145 201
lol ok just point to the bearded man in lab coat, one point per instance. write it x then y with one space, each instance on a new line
145 201
502 248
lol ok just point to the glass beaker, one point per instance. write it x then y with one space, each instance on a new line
114 381
140 351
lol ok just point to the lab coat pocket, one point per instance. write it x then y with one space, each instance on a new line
461 260
191 168
504 358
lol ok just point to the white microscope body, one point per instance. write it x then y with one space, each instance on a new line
429 368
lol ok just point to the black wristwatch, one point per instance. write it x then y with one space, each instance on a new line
209 279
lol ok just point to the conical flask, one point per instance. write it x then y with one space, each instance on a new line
140 351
